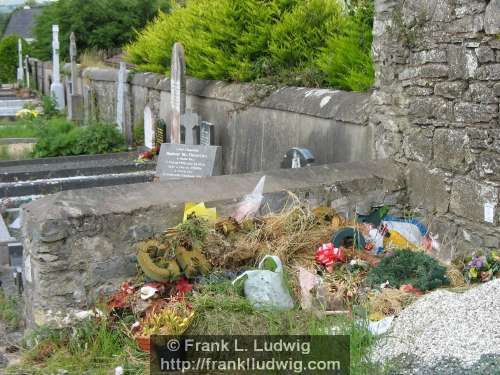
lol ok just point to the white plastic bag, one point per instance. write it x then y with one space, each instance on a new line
266 289
250 205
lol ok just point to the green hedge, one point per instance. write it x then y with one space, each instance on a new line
306 42
57 137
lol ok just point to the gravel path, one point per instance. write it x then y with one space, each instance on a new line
447 331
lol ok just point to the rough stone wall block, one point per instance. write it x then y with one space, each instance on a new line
448 93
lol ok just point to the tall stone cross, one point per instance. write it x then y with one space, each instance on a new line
120 98
20 70
27 66
56 88
177 91
72 56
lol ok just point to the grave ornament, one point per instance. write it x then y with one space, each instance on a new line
297 157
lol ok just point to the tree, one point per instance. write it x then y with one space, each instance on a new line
9 58
98 24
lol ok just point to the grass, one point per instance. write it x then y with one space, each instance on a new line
9 311
97 347
18 129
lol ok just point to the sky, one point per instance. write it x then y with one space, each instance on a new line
9 5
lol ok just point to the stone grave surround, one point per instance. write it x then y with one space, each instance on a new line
83 241
435 108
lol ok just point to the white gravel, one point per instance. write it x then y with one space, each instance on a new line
444 325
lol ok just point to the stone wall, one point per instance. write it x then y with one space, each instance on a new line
436 108
255 124
80 243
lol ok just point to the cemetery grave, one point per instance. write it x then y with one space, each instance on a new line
109 250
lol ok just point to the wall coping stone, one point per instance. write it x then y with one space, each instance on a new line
349 107
129 198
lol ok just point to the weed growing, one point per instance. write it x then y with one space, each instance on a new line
9 311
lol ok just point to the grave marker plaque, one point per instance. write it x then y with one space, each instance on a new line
177 161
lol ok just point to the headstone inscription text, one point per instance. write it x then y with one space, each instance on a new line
187 161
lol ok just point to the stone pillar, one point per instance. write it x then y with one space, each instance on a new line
56 88
120 97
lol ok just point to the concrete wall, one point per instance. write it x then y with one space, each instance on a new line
436 108
255 125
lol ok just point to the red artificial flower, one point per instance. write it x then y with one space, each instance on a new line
127 288
327 255
183 286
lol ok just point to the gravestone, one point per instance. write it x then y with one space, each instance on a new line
20 70
177 91
149 134
178 161
56 88
190 121
72 57
27 67
186 160
120 97
206 134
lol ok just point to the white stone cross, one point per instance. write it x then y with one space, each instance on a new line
56 88
20 71
27 65
177 91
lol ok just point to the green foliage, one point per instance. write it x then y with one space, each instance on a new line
346 59
138 134
409 267
9 310
302 31
18 129
57 137
49 106
4 20
94 346
272 41
98 24
9 58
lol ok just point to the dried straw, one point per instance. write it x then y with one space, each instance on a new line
390 302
